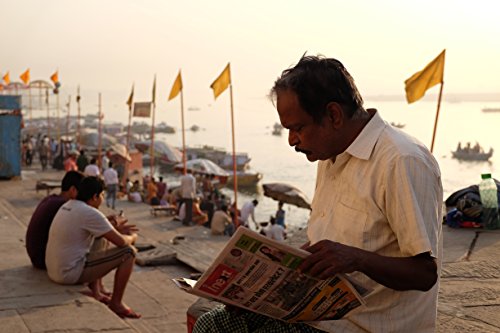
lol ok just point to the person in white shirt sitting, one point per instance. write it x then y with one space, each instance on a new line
275 231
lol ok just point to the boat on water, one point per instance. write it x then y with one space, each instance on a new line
277 129
219 156
164 128
490 109
397 125
465 154
245 178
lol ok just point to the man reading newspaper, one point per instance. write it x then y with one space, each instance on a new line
376 212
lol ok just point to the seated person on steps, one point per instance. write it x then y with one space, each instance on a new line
77 249
38 228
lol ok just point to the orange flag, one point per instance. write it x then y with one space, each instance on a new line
25 76
176 88
222 82
418 83
55 77
6 78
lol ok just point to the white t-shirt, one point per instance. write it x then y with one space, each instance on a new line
92 170
276 232
110 176
188 186
71 235
104 163
247 211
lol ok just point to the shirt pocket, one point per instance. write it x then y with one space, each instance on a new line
350 224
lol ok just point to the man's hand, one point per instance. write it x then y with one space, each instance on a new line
126 229
399 273
329 258
116 220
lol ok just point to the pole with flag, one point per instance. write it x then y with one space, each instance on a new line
48 111
130 102
55 78
176 89
219 85
25 77
67 118
99 143
152 147
418 83
78 98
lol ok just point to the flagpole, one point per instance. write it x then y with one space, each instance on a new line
151 152
67 119
78 117
99 144
184 157
58 125
235 178
48 111
129 125
31 106
437 116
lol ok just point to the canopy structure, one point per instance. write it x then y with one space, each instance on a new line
286 193
121 150
90 139
162 150
203 166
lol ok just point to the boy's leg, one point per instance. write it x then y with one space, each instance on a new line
100 263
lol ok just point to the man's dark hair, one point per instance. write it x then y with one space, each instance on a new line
318 81
71 178
92 161
255 202
89 187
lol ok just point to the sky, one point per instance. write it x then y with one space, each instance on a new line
106 46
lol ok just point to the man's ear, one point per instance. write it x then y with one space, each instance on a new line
334 114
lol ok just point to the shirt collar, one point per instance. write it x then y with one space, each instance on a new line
362 147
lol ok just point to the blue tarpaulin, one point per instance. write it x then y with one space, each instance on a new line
10 102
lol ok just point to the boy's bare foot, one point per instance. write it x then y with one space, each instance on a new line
123 311
100 297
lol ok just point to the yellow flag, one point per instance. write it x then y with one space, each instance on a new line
176 88
418 83
55 77
154 91
130 99
6 78
25 76
222 82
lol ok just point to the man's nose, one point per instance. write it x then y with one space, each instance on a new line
293 139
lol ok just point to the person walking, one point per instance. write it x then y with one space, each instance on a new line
111 180
188 191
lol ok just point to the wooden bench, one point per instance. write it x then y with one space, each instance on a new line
48 185
169 210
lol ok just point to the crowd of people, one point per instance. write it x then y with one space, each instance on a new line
41 147
199 201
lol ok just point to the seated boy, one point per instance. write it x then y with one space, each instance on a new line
77 247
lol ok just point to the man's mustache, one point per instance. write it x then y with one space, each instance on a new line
298 150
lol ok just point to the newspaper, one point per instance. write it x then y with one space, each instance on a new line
260 274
